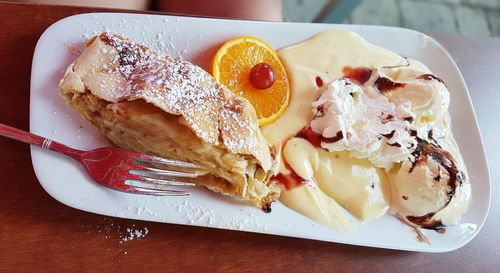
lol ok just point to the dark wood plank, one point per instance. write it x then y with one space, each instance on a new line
38 234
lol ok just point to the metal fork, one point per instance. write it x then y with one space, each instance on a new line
120 169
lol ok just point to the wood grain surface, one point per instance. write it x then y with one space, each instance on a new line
39 234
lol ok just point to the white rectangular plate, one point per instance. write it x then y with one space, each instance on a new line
196 39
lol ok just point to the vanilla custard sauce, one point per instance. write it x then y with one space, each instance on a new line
341 181
354 183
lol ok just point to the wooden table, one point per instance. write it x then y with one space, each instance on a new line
38 233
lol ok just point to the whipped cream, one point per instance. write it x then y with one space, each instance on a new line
378 119
358 119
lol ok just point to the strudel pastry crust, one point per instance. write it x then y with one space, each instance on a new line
152 103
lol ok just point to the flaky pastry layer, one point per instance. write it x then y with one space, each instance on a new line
137 98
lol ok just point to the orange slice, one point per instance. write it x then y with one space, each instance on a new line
231 67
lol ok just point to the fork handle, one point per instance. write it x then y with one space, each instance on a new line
49 144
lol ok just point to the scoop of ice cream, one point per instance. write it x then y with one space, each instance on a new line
430 189
427 94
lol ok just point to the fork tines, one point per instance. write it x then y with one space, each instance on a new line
153 176
168 162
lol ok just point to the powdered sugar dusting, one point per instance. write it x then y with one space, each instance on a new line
134 234
109 230
165 209
134 71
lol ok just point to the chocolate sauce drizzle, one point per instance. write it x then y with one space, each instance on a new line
316 139
427 222
430 135
389 135
385 84
422 152
409 119
430 77
338 136
387 118
395 144
437 177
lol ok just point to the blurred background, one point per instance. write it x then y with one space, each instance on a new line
471 17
